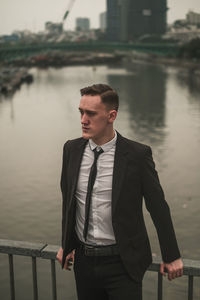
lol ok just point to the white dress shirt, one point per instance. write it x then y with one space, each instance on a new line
100 230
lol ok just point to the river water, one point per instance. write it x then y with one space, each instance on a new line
159 106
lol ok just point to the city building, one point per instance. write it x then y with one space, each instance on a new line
127 19
82 24
103 21
183 34
193 18
54 28
113 20
185 30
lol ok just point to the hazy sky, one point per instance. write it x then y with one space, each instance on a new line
32 14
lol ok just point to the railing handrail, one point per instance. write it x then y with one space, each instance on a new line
191 267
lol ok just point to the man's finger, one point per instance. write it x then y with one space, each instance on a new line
172 274
59 258
179 272
66 265
59 255
162 270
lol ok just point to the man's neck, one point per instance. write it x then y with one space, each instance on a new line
103 140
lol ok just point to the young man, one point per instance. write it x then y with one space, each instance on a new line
104 179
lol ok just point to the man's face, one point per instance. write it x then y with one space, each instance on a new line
95 118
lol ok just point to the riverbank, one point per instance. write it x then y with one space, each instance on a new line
13 74
11 78
193 66
61 59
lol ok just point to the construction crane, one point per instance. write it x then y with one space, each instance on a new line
71 3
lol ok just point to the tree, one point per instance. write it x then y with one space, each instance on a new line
190 49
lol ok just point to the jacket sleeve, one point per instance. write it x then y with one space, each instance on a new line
158 209
63 185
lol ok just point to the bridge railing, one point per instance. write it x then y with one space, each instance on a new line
43 251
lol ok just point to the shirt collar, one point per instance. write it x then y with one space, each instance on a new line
106 147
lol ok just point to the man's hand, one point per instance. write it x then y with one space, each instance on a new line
68 261
174 269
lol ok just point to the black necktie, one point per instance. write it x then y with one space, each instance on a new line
91 180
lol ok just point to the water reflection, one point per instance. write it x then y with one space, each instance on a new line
191 82
144 94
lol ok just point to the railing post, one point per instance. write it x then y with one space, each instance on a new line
53 278
12 280
160 286
34 271
190 287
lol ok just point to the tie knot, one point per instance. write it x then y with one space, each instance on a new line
97 153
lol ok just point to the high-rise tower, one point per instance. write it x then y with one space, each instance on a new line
129 19
113 20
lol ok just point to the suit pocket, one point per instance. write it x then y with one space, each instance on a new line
140 246
140 252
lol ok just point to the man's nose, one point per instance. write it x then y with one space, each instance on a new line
84 119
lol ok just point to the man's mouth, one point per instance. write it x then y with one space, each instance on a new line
85 128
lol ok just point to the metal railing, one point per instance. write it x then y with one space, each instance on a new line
39 250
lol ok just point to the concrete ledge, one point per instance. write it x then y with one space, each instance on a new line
21 248
50 251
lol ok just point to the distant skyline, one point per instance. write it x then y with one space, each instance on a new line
32 15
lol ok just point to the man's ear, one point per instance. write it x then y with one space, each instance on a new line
112 115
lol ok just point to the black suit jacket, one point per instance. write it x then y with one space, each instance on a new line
134 178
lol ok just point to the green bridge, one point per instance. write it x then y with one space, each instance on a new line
19 50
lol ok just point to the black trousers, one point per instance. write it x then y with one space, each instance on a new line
104 278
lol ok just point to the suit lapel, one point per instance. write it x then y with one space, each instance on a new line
120 164
76 158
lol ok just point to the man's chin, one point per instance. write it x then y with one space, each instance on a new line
86 136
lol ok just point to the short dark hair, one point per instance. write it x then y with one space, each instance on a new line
108 96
